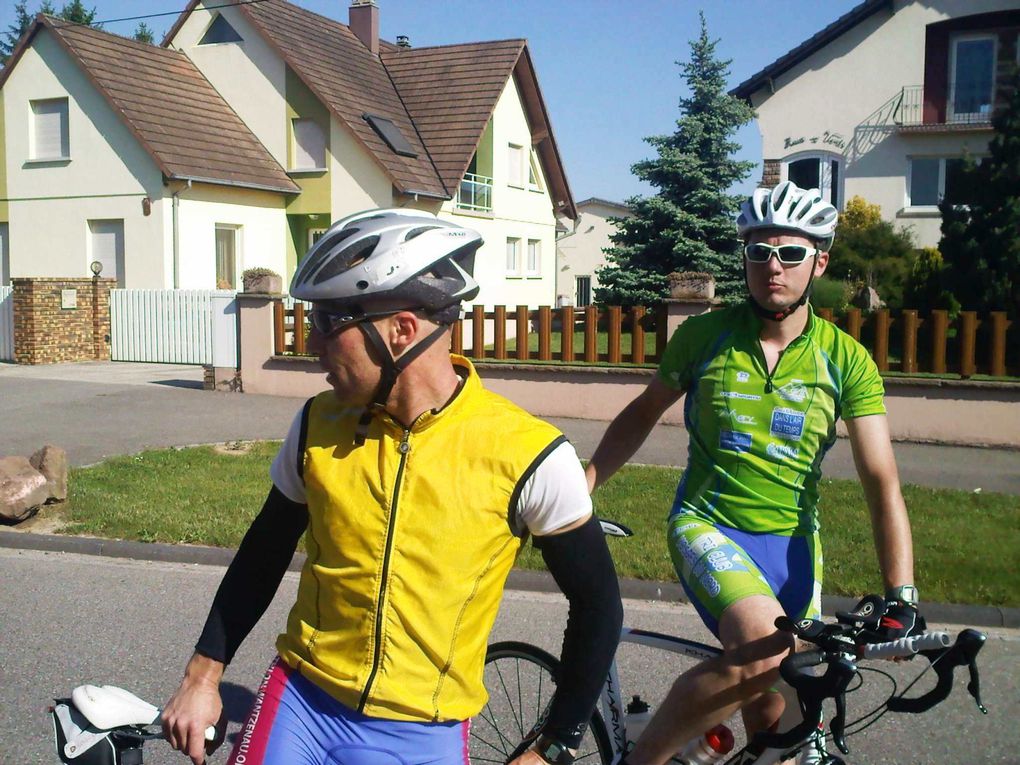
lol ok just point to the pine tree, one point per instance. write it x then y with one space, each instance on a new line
75 12
144 34
981 239
689 224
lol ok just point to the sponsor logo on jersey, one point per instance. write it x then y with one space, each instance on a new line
743 419
787 423
735 394
795 391
734 441
781 451
743 376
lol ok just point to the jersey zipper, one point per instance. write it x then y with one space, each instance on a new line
404 447
769 387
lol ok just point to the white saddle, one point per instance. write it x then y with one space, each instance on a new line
107 706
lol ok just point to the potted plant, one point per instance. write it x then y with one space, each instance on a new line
262 280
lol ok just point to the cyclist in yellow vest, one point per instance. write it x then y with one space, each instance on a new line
414 488
765 382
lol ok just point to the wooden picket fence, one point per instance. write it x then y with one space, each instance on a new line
903 342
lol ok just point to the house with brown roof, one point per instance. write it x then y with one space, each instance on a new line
580 250
886 101
458 130
123 153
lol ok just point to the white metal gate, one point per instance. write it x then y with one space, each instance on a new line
174 326
6 324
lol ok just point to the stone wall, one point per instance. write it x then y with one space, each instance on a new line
61 319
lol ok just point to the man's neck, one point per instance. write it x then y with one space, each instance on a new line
421 388
782 333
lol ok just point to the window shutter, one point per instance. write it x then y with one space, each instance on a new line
50 129
309 145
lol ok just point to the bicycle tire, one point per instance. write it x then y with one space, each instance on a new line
520 680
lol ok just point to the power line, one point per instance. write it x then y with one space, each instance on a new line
175 13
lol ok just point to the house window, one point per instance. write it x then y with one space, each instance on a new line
534 174
583 291
932 179
220 31
314 235
309 146
106 244
226 257
513 257
972 73
5 254
515 165
49 139
818 171
534 257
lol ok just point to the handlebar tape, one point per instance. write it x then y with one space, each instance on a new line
907 646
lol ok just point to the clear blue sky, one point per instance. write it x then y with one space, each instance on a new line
606 67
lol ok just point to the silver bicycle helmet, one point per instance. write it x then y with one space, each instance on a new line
390 259
790 208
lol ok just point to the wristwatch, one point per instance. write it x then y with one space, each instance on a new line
905 593
553 751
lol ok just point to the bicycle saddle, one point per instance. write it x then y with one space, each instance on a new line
108 706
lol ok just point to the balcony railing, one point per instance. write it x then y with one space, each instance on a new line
475 193
965 105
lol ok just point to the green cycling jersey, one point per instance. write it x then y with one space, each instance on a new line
757 438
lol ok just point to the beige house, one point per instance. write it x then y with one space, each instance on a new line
885 102
580 250
303 118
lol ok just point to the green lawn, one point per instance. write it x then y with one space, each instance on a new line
602 342
967 546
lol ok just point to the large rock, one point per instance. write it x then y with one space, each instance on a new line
51 461
23 489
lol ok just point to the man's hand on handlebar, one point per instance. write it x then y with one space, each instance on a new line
194 707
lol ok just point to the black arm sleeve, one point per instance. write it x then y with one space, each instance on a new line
580 562
253 576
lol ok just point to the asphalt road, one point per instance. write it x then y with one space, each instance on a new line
70 619
99 409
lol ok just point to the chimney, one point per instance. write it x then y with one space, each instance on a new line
364 17
403 41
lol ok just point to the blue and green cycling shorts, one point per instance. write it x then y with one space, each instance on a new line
719 565
295 722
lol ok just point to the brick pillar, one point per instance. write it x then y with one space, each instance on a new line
57 320
770 173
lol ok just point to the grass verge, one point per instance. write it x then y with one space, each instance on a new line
967 545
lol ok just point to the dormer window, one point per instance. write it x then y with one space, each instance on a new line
220 31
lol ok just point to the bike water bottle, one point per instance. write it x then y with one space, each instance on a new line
709 748
638 715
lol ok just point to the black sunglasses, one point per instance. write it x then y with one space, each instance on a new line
328 323
789 254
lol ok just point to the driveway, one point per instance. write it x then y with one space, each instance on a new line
94 410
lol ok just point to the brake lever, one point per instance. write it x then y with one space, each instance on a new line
964 652
838 724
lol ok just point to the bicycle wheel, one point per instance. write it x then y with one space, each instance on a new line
520 679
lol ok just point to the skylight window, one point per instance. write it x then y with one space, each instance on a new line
391 134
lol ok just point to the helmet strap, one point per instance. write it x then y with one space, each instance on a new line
778 316
391 368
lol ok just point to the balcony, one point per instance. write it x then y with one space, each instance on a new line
965 108
475 193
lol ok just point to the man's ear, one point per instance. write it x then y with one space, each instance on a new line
405 328
821 263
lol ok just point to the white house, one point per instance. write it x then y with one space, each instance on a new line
886 101
123 153
580 250
341 120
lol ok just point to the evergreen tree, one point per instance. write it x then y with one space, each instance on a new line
144 34
73 11
689 224
981 238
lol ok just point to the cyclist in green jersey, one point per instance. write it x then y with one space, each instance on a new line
765 382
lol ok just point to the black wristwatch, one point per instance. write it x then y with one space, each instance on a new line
553 751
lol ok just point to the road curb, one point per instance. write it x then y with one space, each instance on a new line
529 581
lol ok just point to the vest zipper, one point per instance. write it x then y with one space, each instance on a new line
404 447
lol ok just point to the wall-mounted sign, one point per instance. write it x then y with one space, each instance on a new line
68 299
825 139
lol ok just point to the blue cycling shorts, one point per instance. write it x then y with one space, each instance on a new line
294 722
719 565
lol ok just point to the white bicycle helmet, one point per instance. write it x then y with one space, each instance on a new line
389 259
790 208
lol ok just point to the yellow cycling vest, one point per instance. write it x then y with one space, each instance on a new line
410 540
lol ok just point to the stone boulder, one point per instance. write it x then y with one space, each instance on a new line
51 461
23 489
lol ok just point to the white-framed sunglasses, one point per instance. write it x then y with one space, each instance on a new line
788 254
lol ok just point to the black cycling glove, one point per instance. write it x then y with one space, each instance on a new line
899 620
